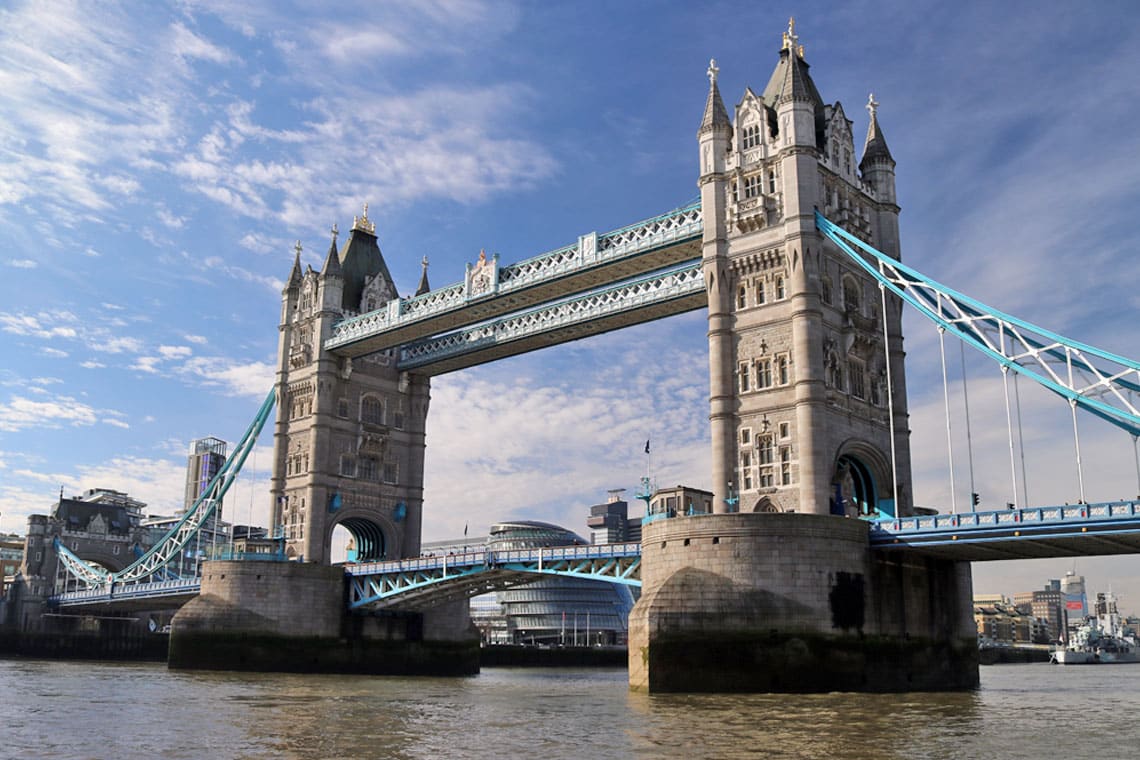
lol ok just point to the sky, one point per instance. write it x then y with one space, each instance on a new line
158 162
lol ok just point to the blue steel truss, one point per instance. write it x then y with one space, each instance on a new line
641 299
1034 532
595 260
426 581
1097 381
159 563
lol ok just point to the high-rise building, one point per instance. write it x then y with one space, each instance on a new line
1075 598
610 523
207 457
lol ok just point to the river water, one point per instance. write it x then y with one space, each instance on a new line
55 709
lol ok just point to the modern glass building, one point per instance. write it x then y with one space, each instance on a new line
557 611
553 611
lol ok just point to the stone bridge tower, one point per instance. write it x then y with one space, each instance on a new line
349 439
800 361
804 420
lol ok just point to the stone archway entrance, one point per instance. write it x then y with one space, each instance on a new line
853 488
367 542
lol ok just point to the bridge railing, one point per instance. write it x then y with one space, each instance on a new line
590 250
1028 516
495 558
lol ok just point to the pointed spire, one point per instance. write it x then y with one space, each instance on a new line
875 149
295 275
797 84
423 287
716 116
332 267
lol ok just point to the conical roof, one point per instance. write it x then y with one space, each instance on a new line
716 115
875 149
424 286
361 259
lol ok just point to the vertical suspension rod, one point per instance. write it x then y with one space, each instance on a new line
1021 442
1076 433
1009 434
969 439
890 402
946 404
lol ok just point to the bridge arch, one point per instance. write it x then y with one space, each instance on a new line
372 536
861 480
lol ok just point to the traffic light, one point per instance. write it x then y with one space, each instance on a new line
977 499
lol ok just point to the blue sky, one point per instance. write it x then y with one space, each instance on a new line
157 163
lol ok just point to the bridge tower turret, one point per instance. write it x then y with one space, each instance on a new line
714 137
349 436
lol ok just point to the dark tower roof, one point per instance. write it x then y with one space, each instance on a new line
716 115
360 259
332 266
791 81
875 149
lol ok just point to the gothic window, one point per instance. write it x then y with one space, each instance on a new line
855 378
752 186
342 408
745 436
741 297
772 181
746 471
835 152
785 465
781 293
369 469
348 465
398 415
847 160
372 410
370 304
391 469
763 373
825 290
765 449
743 374
785 430
782 369
850 294
760 296
751 136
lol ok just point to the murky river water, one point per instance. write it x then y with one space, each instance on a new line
53 709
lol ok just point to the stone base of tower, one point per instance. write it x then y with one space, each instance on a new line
795 603
291 617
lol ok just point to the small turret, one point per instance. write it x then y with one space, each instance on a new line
332 266
424 286
295 275
877 164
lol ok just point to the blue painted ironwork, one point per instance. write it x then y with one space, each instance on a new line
153 565
431 580
112 593
671 292
559 268
1053 531
1102 383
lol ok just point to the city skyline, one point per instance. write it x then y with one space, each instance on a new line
157 166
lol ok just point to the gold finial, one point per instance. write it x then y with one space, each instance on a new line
791 41
334 231
712 72
361 223
872 105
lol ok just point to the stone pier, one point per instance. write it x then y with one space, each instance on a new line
291 617
794 603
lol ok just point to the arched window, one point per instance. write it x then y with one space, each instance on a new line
781 293
825 290
851 300
372 410
741 297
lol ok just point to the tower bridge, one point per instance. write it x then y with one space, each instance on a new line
794 251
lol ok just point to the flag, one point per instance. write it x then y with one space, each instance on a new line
646 445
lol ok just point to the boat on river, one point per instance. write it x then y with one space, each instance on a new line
1100 641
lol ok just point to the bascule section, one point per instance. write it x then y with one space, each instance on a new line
349 437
